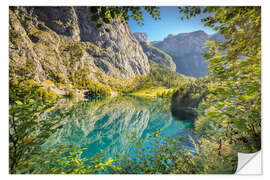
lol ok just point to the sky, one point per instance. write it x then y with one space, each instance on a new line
170 23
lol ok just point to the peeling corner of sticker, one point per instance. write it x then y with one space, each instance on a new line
249 163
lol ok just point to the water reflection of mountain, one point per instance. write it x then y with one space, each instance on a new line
105 124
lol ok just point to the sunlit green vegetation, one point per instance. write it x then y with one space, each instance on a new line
158 155
161 82
28 100
155 155
231 114
20 89
81 81
154 92
162 76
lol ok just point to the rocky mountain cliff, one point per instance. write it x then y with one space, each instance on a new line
186 49
62 44
153 53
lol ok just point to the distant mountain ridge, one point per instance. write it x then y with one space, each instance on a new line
153 53
186 50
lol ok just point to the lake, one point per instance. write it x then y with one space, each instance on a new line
103 125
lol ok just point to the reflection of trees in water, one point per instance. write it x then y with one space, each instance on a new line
102 124
105 124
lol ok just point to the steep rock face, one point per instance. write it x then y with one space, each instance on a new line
186 50
154 53
61 43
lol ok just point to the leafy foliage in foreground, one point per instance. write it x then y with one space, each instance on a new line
123 13
159 155
28 130
231 113
236 97
154 155
28 127
68 160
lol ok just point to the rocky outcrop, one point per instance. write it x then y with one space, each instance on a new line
63 44
186 49
153 53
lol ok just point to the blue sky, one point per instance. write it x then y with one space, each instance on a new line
170 23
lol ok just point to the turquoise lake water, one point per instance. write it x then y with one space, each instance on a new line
102 126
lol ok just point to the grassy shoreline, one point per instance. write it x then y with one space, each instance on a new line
152 92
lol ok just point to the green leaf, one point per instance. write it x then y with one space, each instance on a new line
212 114
19 102
221 103
244 97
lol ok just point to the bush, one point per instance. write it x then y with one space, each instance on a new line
97 89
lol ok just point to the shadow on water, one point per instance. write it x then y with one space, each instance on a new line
102 125
184 115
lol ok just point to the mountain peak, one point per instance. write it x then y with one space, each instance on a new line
141 36
186 49
199 32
